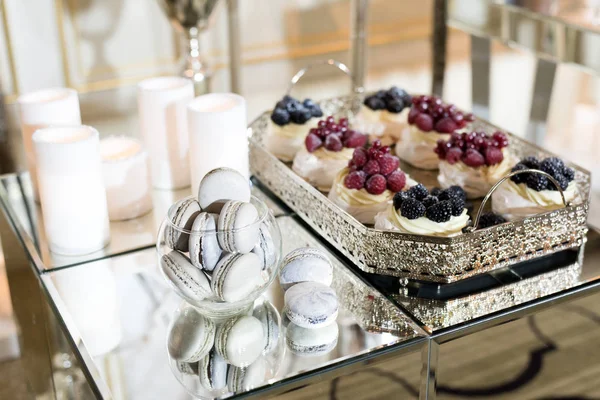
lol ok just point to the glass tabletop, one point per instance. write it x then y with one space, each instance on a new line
125 236
117 312
563 30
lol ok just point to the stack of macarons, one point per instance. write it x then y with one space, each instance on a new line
216 246
311 305
225 355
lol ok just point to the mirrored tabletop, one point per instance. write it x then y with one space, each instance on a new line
118 310
125 236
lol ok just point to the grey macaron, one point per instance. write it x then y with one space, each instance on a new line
240 340
311 305
204 246
191 283
265 248
312 342
191 336
238 227
267 314
223 184
246 378
236 276
305 264
212 371
182 215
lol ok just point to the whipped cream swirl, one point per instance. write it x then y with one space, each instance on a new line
390 219
417 147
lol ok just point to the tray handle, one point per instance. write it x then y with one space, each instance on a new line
334 63
501 181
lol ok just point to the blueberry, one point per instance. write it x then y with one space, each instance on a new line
374 103
300 115
380 94
308 103
395 105
316 111
280 117
397 93
293 105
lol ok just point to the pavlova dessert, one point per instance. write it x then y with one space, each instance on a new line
474 161
368 184
384 115
416 211
290 122
429 120
327 149
527 194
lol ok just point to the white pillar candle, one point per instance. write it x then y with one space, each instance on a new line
218 134
71 188
126 177
58 106
161 108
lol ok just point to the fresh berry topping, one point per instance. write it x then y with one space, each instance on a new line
470 117
569 173
333 143
430 200
501 138
440 212
333 136
550 167
312 142
412 208
388 164
372 167
418 192
412 115
355 180
458 206
488 219
443 118
553 166
556 161
453 155
446 125
456 191
473 158
393 100
436 192
359 157
531 162
493 155
563 182
424 122
376 184
519 178
399 198
300 115
396 181
536 182
280 116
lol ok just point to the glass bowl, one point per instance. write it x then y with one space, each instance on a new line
267 248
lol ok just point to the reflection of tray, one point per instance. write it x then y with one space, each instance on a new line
417 257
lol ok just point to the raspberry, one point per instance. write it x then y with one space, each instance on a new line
412 209
536 182
424 122
470 117
493 155
458 205
399 199
430 200
501 138
355 140
396 181
569 173
312 142
418 192
488 219
343 122
371 167
388 164
520 178
445 125
359 157
440 212
473 158
333 143
412 114
376 184
355 180
453 155
531 162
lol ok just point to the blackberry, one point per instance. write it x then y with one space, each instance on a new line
488 219
440 212
436 192
453 192
550 167
531 162
562 181
555 161
536 182
399 198
568 173
521 177
458 205
412 209
418 192
280 116
429 201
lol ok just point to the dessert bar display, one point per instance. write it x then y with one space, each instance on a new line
392 212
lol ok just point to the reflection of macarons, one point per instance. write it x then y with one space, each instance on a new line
236 276
223 184
246 378
212 371
238 227
311 305
191 336
204 246
312 342
191 283
265 248
305 265
187 368
182 215
240 340
267 314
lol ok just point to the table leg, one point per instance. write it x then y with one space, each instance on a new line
429 358
438 48
480 76
28 305
359 11
540 101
